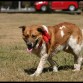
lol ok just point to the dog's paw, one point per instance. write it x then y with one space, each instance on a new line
35 74
76 70
55 69
76 67
32 75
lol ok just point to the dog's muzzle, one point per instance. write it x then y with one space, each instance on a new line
31 46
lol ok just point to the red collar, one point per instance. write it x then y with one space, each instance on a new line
46 38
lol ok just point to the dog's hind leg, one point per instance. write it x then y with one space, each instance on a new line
77 61
77 57
76 48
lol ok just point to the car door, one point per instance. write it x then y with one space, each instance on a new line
64 4
56 5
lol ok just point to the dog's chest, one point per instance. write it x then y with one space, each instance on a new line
40 51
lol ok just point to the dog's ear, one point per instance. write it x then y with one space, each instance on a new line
22 27
40 29
45 34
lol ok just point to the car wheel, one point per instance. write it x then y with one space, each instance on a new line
44 8
72 8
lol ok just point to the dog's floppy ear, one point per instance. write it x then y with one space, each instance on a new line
23 28
45 34
40 29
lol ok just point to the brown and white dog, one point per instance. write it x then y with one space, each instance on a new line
46 41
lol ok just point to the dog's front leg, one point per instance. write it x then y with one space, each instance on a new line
41 65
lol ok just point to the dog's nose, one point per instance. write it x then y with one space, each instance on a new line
30 45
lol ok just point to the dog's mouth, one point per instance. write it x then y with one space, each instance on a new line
29 50
30 47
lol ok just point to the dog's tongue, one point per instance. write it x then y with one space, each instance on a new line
29 50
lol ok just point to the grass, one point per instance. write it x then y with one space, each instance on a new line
16 64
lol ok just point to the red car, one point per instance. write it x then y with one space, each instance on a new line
56 5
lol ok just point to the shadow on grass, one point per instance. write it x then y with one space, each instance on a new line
66 67
32 70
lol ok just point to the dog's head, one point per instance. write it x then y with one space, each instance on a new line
33 35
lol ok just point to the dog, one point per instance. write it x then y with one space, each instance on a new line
47 41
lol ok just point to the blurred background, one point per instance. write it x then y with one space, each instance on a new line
42 6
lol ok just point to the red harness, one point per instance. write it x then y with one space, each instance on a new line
46 38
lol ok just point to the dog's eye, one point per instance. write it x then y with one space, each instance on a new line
26 36
33 36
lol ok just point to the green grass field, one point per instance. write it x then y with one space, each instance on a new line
16 64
